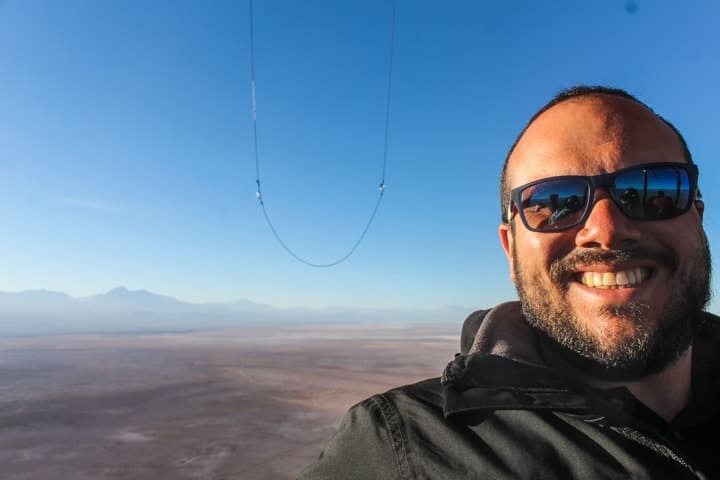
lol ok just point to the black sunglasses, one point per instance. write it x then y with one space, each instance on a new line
652 191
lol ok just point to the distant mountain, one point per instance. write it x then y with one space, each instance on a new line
35 298
42 312
122 297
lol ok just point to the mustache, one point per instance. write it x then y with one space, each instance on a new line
568 265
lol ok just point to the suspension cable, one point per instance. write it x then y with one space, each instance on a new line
384 159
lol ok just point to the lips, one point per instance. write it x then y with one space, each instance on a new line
619 279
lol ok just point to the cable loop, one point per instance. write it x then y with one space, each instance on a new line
258 193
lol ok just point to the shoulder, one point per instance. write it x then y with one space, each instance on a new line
372 440
705 352
385 416
711 322
384 409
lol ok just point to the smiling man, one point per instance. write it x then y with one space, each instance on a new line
608 366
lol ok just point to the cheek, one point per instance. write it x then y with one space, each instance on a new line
691 250
541 249
684 238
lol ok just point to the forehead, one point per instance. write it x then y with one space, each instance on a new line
591 135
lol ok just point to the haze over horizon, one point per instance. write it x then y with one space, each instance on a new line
45 312
122 294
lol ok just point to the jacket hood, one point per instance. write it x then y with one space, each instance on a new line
503 332
500 367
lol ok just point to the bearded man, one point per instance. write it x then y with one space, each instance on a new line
608 366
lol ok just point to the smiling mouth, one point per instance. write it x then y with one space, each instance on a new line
620 279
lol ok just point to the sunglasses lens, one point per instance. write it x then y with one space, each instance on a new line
653 193
554 204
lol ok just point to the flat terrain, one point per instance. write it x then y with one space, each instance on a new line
242 404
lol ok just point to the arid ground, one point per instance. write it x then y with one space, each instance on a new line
253 403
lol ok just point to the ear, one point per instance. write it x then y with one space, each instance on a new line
508 244
700 207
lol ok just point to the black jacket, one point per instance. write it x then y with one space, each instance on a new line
498 413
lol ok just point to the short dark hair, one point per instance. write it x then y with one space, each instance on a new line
568 94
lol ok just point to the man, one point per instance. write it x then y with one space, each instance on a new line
607 367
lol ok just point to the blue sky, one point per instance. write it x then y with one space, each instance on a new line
126 152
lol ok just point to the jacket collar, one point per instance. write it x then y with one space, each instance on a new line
502 369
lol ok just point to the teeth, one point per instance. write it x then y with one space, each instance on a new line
624 278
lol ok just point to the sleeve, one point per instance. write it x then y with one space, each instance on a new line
367 446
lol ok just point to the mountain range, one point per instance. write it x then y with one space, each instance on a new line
120 310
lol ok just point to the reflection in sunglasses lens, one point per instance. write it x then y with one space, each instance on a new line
648 194
554 204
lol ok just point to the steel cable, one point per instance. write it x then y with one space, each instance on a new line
385 149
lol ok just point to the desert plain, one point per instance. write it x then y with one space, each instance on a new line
254 403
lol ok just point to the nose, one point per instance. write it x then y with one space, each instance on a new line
606 226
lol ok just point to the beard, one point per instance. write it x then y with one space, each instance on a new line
653 344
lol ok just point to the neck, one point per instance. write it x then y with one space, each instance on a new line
666 393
